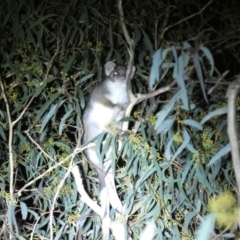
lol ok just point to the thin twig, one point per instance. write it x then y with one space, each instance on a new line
185 19
79 150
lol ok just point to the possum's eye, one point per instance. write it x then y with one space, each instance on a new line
115 73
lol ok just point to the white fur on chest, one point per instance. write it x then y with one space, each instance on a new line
117 92
101 115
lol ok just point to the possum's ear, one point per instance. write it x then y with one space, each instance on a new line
109 66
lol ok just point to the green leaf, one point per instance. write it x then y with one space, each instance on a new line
196 59
166 110
40 20
137 35
100 156
151 169
2 134
209 56
84 78
225 150
193 123
147 42
165 126
186 45
64 118
188 219
81 37
68 65
24 210
178 74
46 105
42 85
183 194
202 178
129 200
185 171
59 233
157 59
217 112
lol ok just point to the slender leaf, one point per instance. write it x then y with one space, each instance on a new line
225 150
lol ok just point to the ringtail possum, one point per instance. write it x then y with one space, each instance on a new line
107 103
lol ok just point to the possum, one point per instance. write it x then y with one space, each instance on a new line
107 103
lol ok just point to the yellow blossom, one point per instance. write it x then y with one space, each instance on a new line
224 207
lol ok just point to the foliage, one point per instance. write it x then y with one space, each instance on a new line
52 53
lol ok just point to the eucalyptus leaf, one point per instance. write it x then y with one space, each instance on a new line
225 150
147 41
68 65
24 210
193 123
48 116
166 110
209 57
198 68
84 78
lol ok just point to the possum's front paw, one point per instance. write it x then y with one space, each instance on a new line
121 107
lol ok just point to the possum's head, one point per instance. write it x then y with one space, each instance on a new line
117 73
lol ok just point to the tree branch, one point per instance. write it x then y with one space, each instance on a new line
233 90
10 139
141 97
130 50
